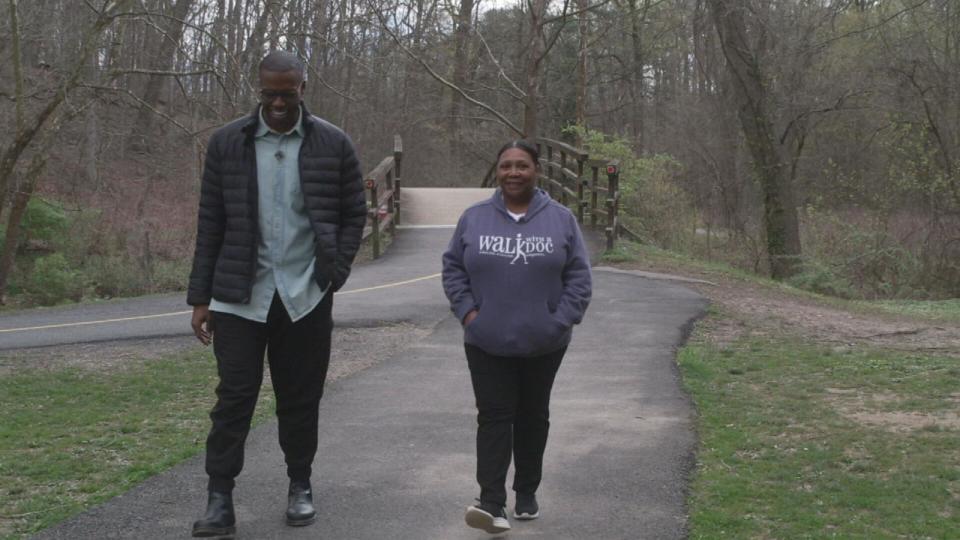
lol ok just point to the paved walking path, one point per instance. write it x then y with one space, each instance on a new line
396 454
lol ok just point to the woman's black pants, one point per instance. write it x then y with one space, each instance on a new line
298 354
513 404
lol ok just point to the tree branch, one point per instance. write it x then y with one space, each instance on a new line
152 109
805 114
136 71
577 12
501 73
441 80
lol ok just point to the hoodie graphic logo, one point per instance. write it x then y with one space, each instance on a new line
518 248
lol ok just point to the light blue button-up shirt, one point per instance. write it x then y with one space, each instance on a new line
285 257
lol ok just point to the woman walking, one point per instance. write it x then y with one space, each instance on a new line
517 276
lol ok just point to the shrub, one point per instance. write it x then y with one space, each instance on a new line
170 275
819 278
53 280
115 275
651 199
617 255
44 221
862 250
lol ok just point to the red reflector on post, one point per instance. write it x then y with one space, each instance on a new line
611 169
369 183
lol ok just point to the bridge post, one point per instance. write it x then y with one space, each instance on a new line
594 181
397 159
391 203
550 169
580 182
563 165
613 202
375 216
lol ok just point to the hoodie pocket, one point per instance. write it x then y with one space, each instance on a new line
543 331
516 330
558 326
472 331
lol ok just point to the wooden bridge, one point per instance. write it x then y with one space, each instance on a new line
589 187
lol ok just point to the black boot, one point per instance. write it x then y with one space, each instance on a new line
219 520
300 509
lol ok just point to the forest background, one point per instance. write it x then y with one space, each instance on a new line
814 141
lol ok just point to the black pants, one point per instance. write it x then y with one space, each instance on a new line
513 404
298 354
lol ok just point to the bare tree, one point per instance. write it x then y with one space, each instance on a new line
11 155
750 84
170 34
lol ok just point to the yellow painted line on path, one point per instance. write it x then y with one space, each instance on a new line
178 313
387 285
86 323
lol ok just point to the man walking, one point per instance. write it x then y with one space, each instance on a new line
281 214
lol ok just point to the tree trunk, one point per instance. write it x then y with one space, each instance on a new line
535 54
583 28
637 87
18 126
459 75
750 94
250 57
14 151
162 61
345 44
18 209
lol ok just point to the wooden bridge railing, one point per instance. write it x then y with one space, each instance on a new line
383 196
576 181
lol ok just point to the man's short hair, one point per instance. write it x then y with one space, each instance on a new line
282 62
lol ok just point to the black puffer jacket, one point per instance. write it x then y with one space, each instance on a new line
224 262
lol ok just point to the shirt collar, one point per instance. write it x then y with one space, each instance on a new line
263 129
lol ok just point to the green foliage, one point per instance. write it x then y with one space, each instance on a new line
115 275
857 256
170 275
87 259
651 199
44 220
618 254
819 278
87 236
54 280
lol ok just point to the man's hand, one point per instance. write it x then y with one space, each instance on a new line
201 323
468 319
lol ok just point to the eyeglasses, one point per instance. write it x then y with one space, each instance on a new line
290 96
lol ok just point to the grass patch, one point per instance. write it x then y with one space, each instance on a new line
801 441
620 253
73 438
941 310
664 260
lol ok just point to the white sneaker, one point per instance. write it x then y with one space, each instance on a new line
487 518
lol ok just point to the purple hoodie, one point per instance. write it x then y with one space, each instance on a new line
529 280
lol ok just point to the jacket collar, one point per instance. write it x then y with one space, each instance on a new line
263 128
252 121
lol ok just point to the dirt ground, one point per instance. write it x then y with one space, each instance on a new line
751 309
760 309
352 350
